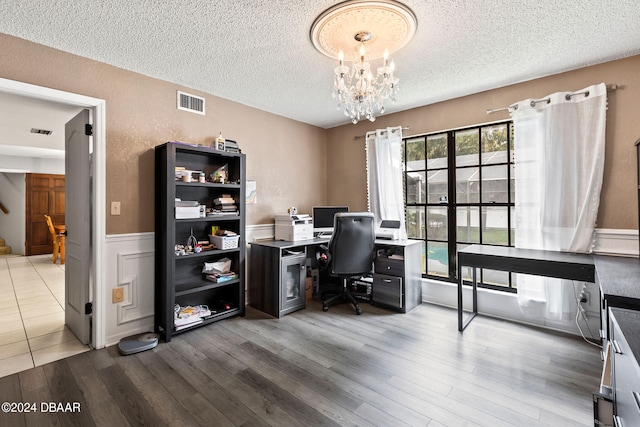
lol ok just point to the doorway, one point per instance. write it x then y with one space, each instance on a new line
45 195
97 110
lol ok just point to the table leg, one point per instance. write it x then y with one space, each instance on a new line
62 244
475 291
462 323
56 251
460 280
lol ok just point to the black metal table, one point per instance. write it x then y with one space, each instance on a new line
561 265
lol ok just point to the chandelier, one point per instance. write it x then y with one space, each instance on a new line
361 31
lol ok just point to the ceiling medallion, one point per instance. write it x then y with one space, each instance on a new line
359 31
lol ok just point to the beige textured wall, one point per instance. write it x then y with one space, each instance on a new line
346 178
285 157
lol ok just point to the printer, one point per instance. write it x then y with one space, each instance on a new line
388 229
294 227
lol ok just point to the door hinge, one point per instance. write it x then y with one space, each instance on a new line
88 308
88 129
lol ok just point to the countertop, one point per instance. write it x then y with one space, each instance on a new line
619 280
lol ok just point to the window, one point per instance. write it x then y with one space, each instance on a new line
459 191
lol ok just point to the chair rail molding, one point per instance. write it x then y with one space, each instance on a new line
617 242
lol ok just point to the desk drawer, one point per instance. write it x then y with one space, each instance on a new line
391 267
387 290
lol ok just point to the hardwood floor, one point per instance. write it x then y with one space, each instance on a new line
323 369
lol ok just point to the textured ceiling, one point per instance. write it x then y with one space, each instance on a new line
20 114
258 53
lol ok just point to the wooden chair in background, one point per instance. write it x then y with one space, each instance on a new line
58 237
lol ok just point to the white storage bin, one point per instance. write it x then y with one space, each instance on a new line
225 242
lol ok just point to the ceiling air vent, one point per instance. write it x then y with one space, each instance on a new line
41 131
188 102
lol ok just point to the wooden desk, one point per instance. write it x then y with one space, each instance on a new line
561 265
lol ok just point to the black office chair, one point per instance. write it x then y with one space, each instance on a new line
349 254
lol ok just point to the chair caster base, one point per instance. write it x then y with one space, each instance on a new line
343 296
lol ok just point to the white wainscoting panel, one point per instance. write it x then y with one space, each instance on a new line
129 264
260 232
135 281
129 261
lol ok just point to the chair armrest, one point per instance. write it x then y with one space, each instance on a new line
323 257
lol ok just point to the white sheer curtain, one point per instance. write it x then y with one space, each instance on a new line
559 163
384 176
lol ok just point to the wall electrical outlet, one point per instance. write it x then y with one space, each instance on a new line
586 297
117 295
115 208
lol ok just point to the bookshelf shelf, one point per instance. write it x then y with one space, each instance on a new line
193 288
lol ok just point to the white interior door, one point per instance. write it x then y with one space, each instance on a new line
78 226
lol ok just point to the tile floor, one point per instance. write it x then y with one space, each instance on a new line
32 314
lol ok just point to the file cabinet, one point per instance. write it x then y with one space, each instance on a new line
387 290
397 275
277 272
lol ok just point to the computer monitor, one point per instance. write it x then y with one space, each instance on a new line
323 218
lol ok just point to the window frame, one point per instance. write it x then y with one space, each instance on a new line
451 205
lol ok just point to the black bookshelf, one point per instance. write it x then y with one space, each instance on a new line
638 177
178 277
